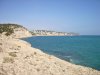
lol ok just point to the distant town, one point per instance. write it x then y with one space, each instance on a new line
52 33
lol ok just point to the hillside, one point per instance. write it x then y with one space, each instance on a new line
14 30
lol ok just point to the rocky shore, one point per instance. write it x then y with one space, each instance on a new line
17 57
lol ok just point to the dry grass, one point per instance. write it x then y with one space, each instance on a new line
19 46
2 71
38 69
1 50
8 60
35 53
13 54
0 43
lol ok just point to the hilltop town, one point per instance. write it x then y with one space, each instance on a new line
52 33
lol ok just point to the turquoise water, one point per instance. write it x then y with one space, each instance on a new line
82 50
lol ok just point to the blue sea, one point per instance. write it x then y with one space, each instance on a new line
81 50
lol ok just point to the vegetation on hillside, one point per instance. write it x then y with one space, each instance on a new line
32 33
8 28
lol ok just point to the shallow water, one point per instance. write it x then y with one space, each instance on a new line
82 50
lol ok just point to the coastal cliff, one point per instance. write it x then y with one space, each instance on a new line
14 31
17 57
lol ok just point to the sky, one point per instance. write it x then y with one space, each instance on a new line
80 16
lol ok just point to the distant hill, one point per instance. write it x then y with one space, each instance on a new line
14 30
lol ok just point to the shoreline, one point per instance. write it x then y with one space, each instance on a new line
55 56
29 60
38 42
61 58
56 35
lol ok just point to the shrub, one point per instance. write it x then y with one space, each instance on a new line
32 33
35 53
8 60
1 50
0 43
8 28
38 69
13 54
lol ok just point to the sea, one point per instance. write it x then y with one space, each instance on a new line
79 50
